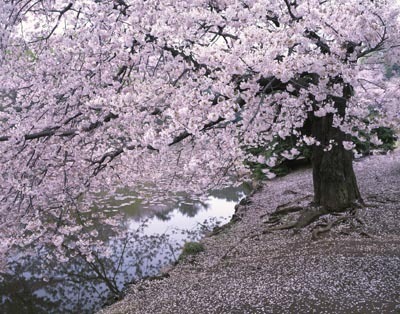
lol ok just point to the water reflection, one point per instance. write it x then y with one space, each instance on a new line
147 237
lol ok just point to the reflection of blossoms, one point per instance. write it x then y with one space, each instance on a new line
97 259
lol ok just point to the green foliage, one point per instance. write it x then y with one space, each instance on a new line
276 147
388 138
385 134
191 248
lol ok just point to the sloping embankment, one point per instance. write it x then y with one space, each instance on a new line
244 270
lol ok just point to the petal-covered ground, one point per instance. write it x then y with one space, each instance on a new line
247 270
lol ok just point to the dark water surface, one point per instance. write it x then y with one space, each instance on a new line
150 238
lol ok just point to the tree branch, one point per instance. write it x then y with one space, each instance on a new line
53 131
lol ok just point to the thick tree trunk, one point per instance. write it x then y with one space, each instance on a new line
335 184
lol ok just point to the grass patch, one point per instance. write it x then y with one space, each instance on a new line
190 249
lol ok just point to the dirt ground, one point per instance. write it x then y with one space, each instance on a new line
244 269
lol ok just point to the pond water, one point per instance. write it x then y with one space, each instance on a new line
149 238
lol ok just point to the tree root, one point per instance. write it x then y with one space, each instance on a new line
307 215
356 224
281 208
299 217
287 208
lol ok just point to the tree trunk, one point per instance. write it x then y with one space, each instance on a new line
335 184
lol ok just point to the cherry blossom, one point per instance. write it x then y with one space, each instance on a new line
97 95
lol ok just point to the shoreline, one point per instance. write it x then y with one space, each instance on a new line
244 270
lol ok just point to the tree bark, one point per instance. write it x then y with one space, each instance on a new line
335 184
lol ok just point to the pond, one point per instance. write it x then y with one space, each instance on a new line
148 238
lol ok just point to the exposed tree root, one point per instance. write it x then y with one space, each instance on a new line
282 208
306 216
287 208
355 225
294 216
298 217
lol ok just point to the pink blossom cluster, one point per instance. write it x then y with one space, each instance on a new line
95 95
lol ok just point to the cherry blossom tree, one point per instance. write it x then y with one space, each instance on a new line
97 95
